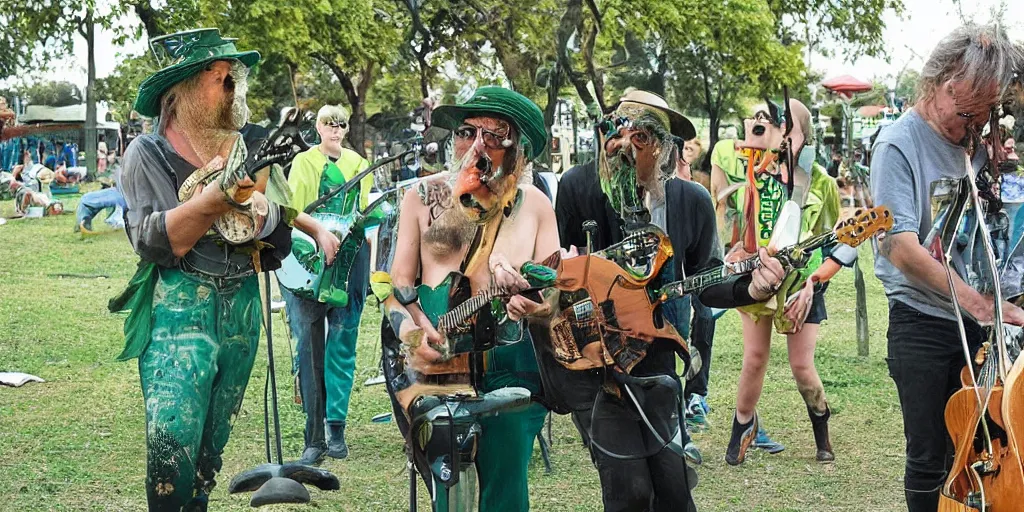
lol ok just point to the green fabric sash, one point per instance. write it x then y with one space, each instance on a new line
138 298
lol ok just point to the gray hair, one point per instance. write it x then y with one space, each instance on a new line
977 55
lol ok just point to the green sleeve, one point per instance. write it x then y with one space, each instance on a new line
724 155
304 181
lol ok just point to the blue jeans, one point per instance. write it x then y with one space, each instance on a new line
701 333
96 201
327 361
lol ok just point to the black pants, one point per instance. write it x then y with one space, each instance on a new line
925 359
656 483
703 336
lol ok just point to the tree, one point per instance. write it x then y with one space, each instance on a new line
354 39
853 27
51 28
120 88
730 52
906 84
54 94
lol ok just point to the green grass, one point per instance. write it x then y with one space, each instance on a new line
77 441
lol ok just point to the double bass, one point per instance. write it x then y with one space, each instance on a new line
985 418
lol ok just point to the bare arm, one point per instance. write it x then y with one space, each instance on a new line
905 253
407 261
327 241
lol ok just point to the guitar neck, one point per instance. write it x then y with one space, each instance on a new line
461 313
708 278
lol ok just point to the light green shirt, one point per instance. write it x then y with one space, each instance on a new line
308 169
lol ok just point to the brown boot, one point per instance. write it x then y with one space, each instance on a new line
819 423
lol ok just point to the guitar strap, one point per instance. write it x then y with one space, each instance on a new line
480 250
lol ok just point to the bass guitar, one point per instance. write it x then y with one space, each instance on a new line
853 231
303 272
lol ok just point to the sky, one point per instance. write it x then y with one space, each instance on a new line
909 41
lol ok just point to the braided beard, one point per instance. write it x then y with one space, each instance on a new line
626 185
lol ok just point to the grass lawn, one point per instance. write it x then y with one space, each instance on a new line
77 442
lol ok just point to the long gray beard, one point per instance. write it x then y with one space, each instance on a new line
239 109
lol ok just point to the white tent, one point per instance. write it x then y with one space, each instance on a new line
69 114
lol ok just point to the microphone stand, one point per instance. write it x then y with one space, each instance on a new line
278 482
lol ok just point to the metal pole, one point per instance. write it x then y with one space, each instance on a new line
270 367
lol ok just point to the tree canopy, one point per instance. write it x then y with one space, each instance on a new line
710 59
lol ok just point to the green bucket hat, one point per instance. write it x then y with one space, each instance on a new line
526 115
183 55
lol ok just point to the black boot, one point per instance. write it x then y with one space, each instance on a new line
313 455
819 423
743 436
336 447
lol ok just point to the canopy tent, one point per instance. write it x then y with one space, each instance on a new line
846 85
35 114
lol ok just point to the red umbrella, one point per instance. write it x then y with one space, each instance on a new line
846 85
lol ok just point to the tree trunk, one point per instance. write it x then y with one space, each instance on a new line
90 97
713 122
862 310
357 128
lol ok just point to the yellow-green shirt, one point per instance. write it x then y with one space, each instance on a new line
308 169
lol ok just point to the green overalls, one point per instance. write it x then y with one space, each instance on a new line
196 339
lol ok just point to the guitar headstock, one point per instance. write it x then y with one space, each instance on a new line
283 143
863 225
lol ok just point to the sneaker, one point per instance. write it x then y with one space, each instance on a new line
696 413
763 442
743 436
692 454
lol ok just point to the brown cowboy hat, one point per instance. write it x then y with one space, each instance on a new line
680 126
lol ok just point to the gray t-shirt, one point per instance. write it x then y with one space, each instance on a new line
909 156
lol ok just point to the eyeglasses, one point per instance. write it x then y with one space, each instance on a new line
492 140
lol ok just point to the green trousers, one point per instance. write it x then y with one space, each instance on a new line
194 372
506 440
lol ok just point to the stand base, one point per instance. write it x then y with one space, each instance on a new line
279 490
253 479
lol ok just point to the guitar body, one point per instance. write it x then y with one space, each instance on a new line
303 272
453 376
622 307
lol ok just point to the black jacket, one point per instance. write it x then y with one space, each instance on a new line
690 227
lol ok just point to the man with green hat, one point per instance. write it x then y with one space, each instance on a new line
468 230
203 227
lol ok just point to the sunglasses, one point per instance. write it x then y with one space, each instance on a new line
611 126
337 124
492 140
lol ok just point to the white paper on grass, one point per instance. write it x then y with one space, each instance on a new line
17 379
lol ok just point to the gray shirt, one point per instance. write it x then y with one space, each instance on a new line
151 174
909 156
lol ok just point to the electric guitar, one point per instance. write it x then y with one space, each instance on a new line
853 231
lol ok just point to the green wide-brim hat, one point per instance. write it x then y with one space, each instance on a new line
183 55
525 114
